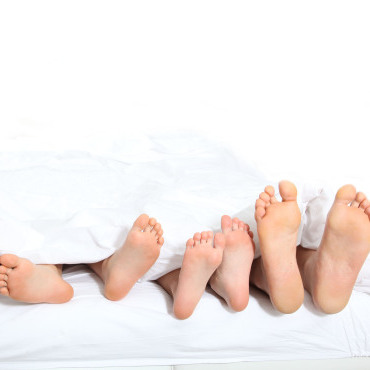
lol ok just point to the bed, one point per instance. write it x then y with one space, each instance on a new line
92 332
88 212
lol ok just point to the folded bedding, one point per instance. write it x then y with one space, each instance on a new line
77 206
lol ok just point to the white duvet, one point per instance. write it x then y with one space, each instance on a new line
77 206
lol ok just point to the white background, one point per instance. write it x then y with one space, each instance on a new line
286 83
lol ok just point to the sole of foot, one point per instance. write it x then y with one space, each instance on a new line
24 281
202 257
343 250
277 227
231 278
137 255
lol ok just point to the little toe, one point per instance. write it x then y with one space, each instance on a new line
3 283
160 241
250 233
226 223
4 291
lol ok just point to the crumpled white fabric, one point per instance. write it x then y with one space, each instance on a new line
77 206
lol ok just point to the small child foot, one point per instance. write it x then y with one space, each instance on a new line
24 281
137 255
277 227
201 259
231 279
343 250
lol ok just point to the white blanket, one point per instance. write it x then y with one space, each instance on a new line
77 207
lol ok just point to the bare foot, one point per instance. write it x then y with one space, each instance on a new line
231 279
201 259
137 255
23 281
277 227
342 251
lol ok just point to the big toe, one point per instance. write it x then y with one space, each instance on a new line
142 221
9 260
287 190
226 223
346 194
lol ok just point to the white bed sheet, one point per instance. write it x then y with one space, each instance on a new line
91 331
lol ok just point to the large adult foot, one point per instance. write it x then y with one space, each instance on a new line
342 251
201 259
231 279
277 227
137 255
24 281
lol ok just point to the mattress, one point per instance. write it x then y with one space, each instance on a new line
91 331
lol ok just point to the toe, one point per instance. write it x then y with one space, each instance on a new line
226 223
250 233
3 277
346 194
365 204
4 291
219 241
3 283
197 238
3 269
204 237
235 223
9 260
152 221
210 236
160 241
265 197
156 228
270 190
148 229
287 190
260 212
241 225
190 243
141 222
260 203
